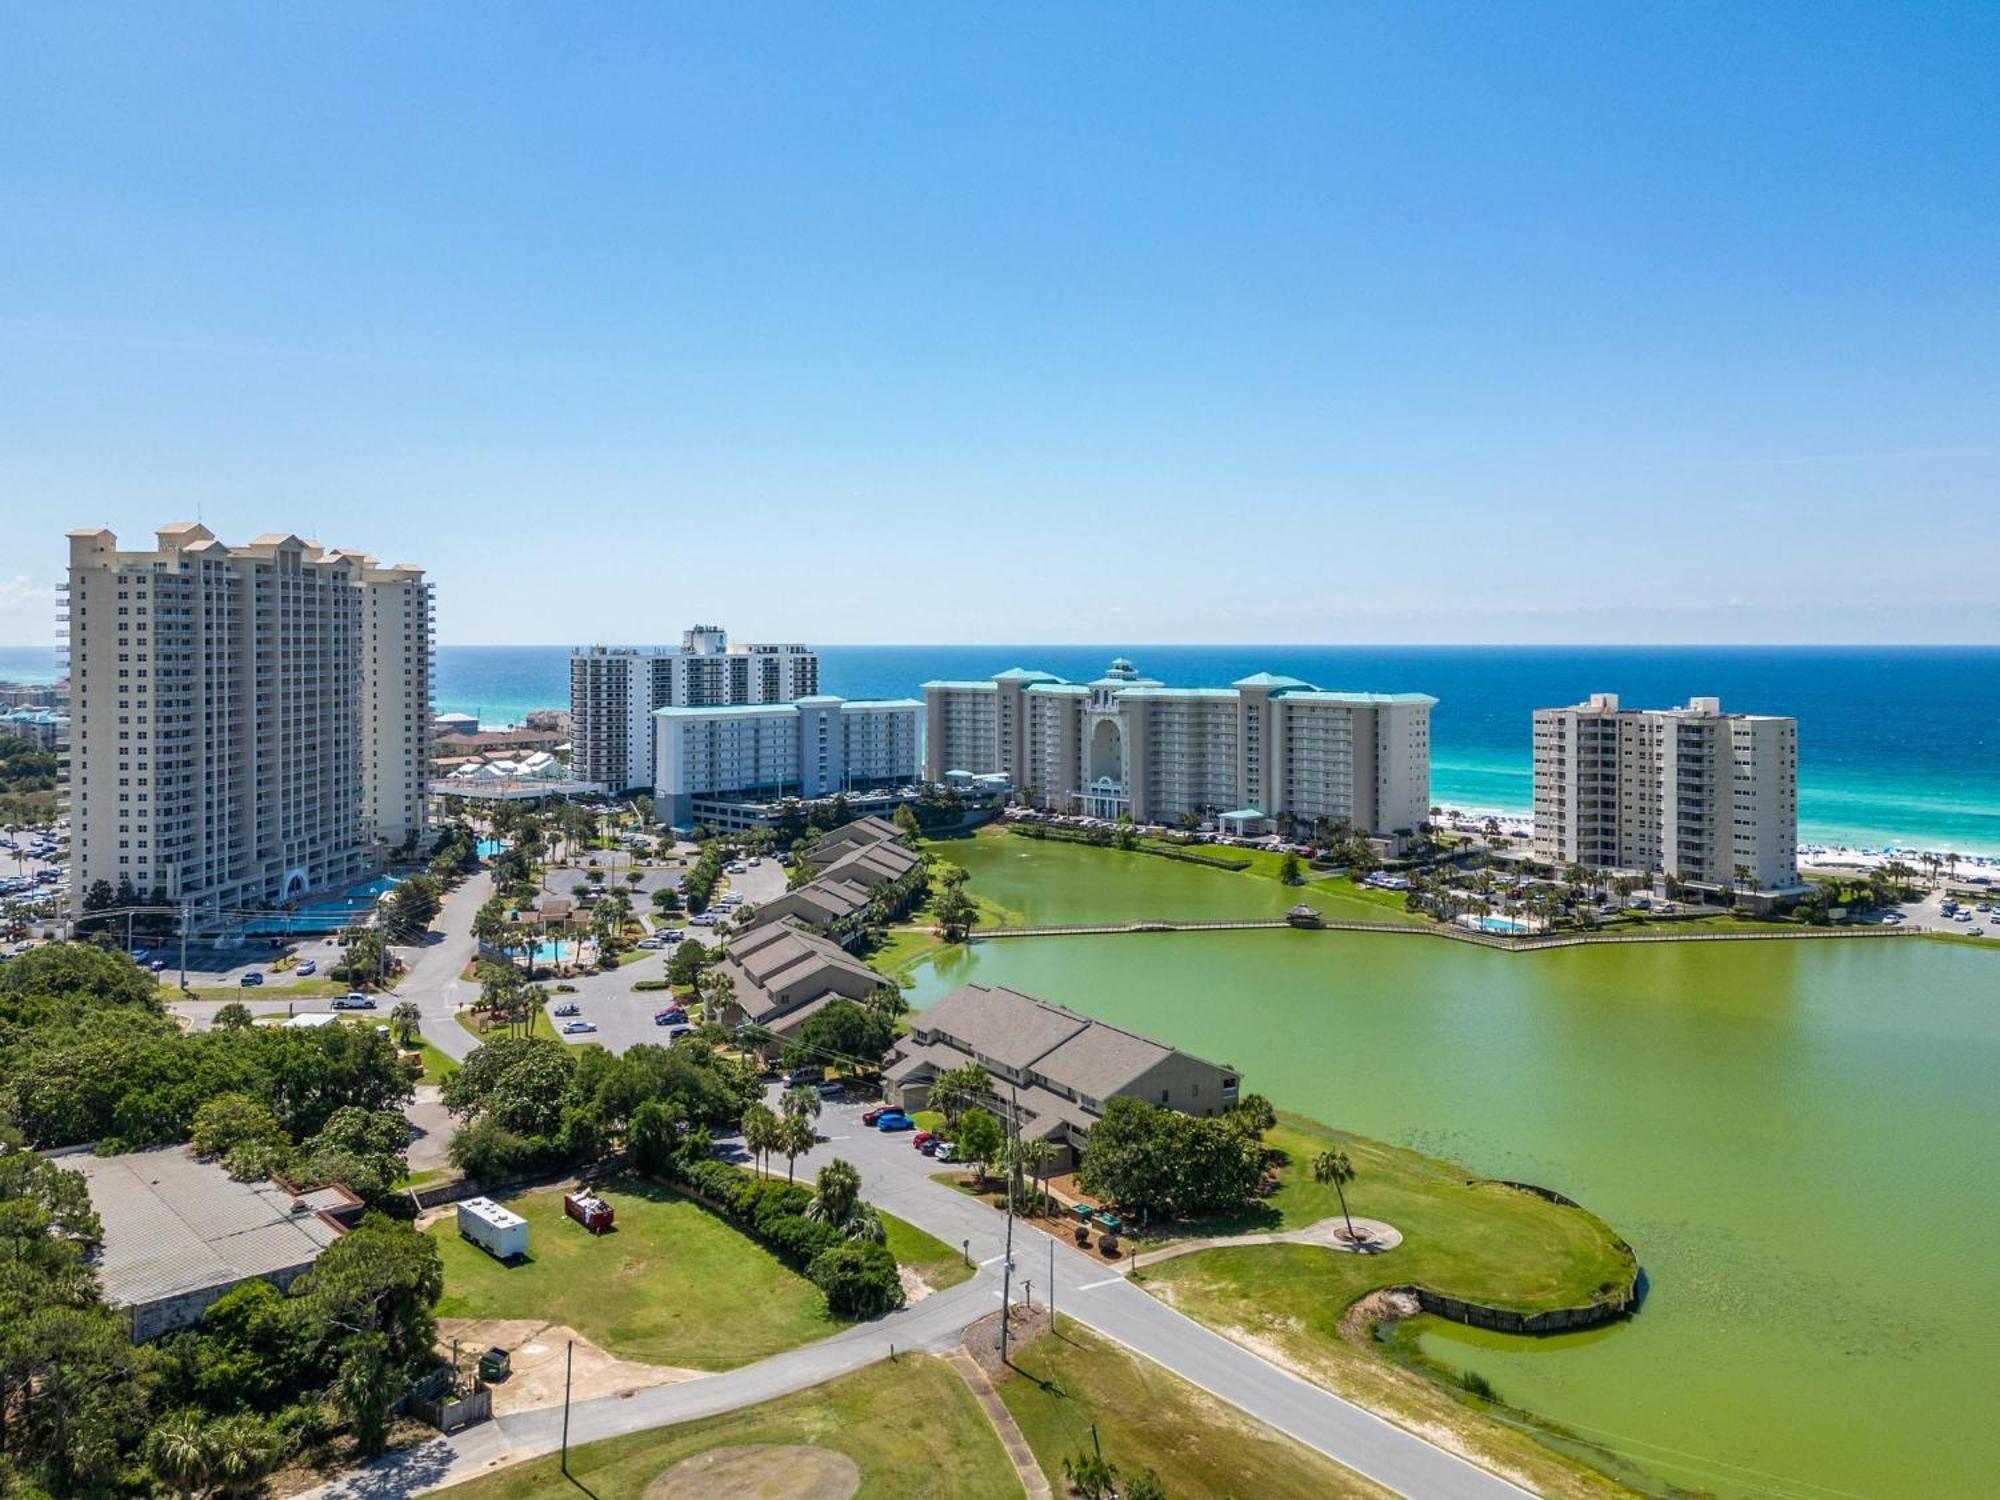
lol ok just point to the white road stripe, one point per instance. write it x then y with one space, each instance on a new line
1089 1286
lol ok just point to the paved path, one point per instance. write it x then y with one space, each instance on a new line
1033 1481
1376 1237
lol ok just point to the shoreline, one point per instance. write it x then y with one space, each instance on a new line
1814 854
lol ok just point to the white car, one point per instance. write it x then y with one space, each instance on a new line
574 1028
354 1000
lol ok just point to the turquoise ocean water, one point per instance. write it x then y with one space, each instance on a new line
1896 744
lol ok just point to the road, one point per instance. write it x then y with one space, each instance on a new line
899 1179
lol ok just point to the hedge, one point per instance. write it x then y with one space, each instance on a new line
652 984
857 1280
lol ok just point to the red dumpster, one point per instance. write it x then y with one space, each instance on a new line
592 1213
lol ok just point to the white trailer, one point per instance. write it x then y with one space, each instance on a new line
500 1232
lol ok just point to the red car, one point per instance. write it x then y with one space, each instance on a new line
869 1117
923 1138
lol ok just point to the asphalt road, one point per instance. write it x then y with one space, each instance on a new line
898 1179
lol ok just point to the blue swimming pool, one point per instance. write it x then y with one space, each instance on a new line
1508 926
324 913
487 848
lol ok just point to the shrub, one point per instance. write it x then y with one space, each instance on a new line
859 1280
652 984
1475 1384
801 1242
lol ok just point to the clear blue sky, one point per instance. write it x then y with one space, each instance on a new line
1472 322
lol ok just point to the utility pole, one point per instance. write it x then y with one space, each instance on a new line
1052 1283
569 1353
1007 1270
186 916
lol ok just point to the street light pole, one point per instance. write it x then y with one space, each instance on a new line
569 1353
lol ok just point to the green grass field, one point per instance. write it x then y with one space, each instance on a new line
542 1026
672 1285
911 1427
255 994
437 1067
939 1264
1075 1388
1471 1239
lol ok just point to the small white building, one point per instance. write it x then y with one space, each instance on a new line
500 1232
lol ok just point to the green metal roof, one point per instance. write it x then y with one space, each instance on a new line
1269 680
1359 700
1154 690
1066 689
962 687
1025 674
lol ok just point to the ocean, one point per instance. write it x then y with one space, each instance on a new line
1897 745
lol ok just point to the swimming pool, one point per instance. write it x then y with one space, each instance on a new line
1507 926
327 913
487 848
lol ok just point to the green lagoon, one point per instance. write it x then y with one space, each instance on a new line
1798 1138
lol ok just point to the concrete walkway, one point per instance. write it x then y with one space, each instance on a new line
1034 1483
1376 1237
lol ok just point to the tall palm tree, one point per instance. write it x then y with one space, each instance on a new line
796 1136
801 1102
1334 1167
760 1128
960 1089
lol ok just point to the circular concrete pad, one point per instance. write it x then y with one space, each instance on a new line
760 1471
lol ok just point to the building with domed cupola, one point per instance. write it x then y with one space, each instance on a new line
1265 750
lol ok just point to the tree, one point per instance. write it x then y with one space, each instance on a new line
906 822
760 1133
960 1089
803 1100
1334 1167
858 1278
365 1389
1159 1161
979 1139
850 1035
1288 869
229 1121
1091 1475
1145 1486
177 1451
796 1136
836 1202
1253 1115
235 1016
404 1019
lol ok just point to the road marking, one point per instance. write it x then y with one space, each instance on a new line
1091 1286
992 1260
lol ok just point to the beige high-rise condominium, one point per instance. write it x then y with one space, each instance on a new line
248 724
1707 797
1264 750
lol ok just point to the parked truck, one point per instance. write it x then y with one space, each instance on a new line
500 1232
591 1212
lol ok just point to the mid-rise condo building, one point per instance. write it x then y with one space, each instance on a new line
614 692
1692 792
1264 750
706 758
248 723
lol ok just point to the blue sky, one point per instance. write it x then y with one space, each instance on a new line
1476 322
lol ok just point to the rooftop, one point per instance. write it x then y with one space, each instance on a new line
174 1225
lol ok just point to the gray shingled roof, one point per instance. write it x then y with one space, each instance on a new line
1011 1028
174 1225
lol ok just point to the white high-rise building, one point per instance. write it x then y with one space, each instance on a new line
1264 750
614 692
1707 797
248 723
767 752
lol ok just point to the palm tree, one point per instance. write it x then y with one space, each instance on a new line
177 1451
242 1450
1334 1167
960 1089
796 1136
404 1021
801 1101
837 1202
760 1132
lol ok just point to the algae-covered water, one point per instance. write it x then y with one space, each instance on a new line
1798 1138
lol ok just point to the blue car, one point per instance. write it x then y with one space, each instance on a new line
895 1120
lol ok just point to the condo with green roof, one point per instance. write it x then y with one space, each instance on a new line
1265 751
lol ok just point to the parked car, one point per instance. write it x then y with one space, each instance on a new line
569 1008
893 1120
946 1151
158 966
670 1018
870 1116
310 966
577 1028
253 977
649 943
828 1087
354 1000
928 1147
804 1075
924 1138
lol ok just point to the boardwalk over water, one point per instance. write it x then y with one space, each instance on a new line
1457 934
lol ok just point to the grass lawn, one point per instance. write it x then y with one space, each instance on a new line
1471 1239
437 1067
671 1285
542 1026
939 1264
304 989
1146 1417
911 1427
